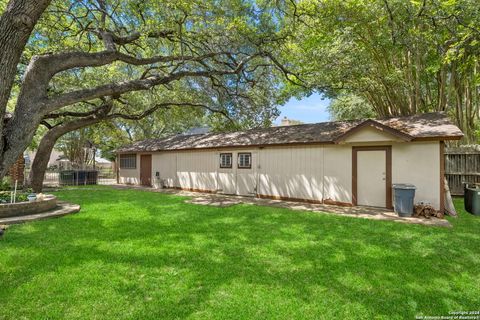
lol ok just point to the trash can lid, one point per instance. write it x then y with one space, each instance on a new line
404 186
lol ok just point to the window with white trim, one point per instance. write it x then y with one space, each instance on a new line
245 160
225 160
128 161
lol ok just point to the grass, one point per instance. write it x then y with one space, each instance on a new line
140 255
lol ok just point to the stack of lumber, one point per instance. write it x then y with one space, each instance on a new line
427 211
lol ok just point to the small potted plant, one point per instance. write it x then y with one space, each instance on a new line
32 197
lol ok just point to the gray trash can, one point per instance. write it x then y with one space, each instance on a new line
403 194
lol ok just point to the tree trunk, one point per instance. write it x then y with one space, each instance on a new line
40 162
33 102
16 25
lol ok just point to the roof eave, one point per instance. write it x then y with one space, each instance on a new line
235 147
377 125
439 138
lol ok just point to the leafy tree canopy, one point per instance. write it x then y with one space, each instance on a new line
400 57
350 107
222 55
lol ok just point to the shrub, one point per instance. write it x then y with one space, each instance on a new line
5 184
5 197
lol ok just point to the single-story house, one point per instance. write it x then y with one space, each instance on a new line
56 157
344 162
102 163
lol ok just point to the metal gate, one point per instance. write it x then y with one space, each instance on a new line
77 177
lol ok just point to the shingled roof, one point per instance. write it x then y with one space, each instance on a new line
427 126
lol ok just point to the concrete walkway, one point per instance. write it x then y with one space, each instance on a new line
62 209
219 200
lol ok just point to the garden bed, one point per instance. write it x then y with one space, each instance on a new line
6 196
48 202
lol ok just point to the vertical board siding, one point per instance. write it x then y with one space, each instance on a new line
462 165
291 172
226 177
246 178
306 172
197 170
338 173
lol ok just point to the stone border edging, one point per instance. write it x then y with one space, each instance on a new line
62 209
49 202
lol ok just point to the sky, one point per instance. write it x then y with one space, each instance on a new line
308 110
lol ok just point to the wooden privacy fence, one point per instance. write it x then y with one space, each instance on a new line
462 164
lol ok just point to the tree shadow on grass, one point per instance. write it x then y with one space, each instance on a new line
381 268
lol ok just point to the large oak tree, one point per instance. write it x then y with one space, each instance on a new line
57 55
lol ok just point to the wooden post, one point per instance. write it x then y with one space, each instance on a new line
449 207
117 167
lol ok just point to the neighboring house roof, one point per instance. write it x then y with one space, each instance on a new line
101 160
289 122
197 130
428 126
55 156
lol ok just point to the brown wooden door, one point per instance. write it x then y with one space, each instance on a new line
146 170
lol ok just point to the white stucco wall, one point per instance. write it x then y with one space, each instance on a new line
370 134
418 163
130 176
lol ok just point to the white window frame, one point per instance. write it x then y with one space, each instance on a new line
226 165
242 164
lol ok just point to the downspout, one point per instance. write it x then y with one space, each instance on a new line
258 169
323 175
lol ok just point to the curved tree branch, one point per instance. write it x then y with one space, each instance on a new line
116 89
54 63
48 141
157 106
74 114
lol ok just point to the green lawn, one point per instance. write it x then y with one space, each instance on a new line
140 255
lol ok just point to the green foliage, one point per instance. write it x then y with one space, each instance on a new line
191 28
6 196
350 107
5 184
5 191
76 146
401 57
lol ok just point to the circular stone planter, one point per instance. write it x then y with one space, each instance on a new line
48 202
